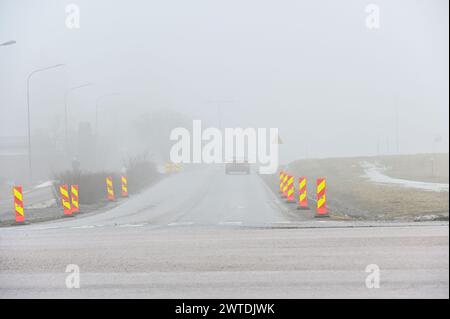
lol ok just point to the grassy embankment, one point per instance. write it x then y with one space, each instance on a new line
352 195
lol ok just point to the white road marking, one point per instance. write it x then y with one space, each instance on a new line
46 228
180 224
83 227
231 223
132 225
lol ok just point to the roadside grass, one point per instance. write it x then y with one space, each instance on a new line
433 168
351 194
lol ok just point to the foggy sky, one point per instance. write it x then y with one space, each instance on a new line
310 68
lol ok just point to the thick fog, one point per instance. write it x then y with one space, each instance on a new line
312 69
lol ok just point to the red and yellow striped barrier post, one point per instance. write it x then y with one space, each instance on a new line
321 198
290 189
282 184
74 198
124 189
18 204
110 188
281 181
285 186
65 200
302 193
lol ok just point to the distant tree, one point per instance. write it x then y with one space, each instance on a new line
153 130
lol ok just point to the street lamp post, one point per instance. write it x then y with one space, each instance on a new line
219 104
97 105
66 97
28 112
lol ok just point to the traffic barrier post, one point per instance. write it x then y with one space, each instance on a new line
285 185
110 188
74 198
302 193
65 200
290 190
124 186
18 204
321 210
281 182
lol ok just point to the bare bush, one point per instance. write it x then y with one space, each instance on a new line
140 174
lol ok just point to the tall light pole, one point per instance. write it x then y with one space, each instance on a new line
219 104
97 105
66 97
28 112
397 135
4 44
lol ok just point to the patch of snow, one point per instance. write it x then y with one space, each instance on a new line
43 185
426 218
44 204
374 173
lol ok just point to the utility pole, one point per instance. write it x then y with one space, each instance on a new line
66 106
97 106
387 145
397 134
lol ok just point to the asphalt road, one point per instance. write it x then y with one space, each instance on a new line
205 234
